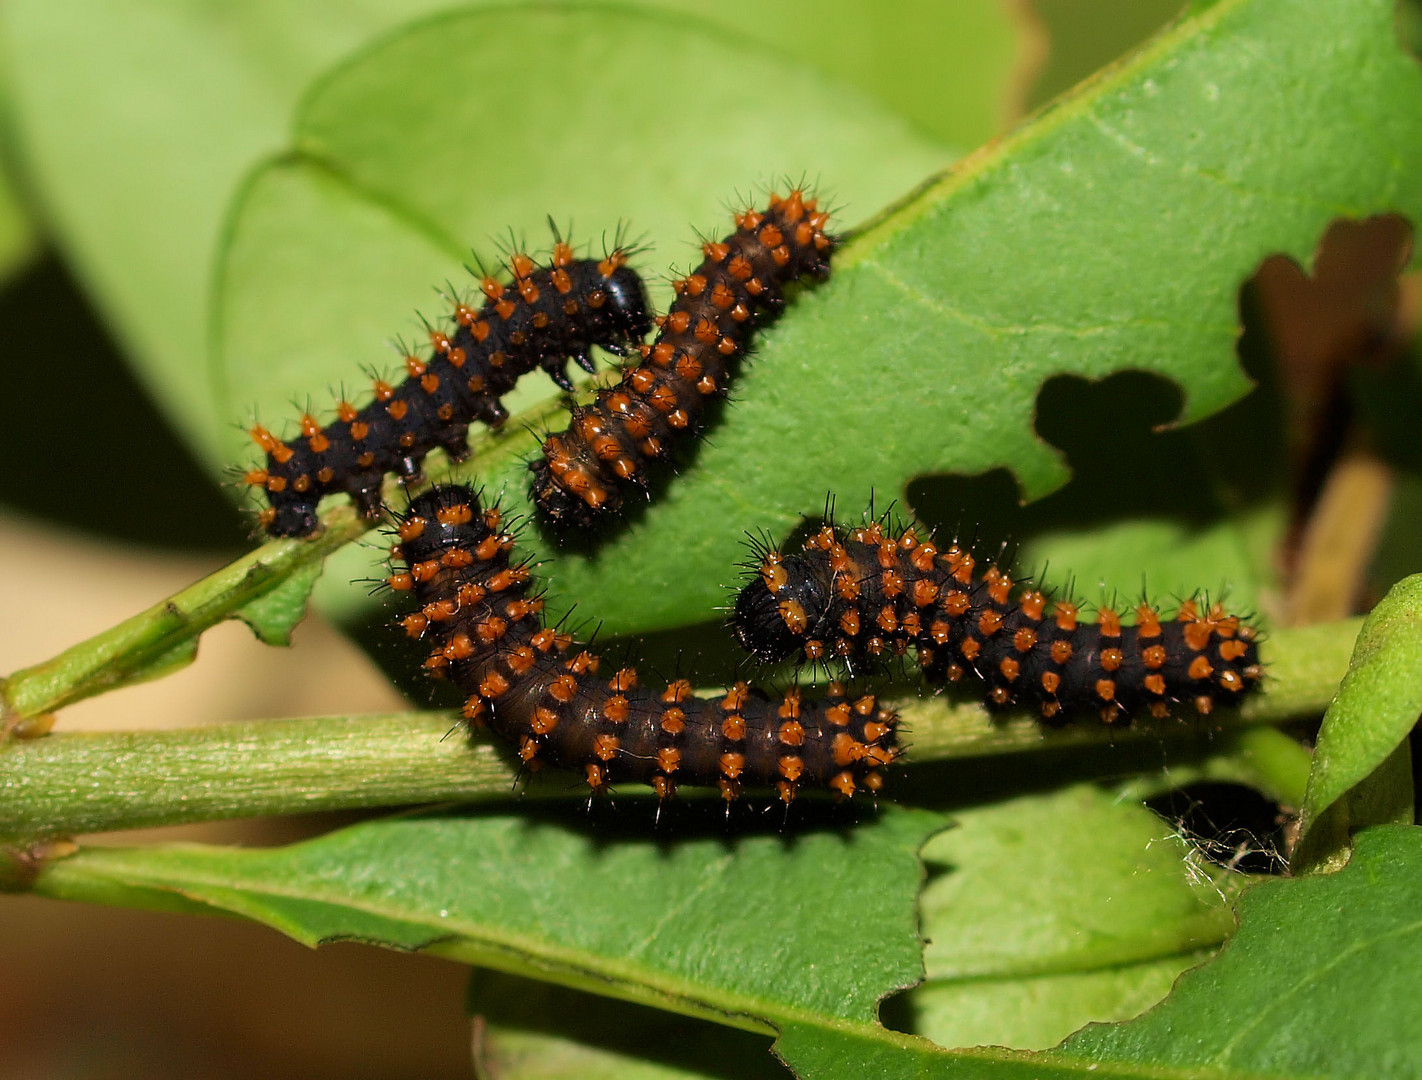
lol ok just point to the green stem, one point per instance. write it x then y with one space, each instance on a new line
89 781
152 642
139 645
78 782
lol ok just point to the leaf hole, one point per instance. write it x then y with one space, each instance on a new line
1333 349
1124 463
1229 825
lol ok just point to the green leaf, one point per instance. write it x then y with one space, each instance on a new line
1113 232
1298 992
1365 728
274 614
1033 1012
175 659
532 1031
1070 881
955 70
19 237
331 247
1043 913
744 931
1322 980
754 932
177 99
1049 911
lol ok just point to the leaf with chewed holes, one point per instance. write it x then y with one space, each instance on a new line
1299 991
803 932
1362 772
1114 231
1045 912
1111 232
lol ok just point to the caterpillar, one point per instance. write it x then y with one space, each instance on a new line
545 316
738 287
536 689
859 596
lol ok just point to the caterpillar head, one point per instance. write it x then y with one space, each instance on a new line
628 311
769 619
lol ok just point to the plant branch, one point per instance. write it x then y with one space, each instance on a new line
138 646
70 783
164 637
88 781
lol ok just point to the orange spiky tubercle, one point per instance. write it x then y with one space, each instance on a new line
543 317
860 596
555 703
584 471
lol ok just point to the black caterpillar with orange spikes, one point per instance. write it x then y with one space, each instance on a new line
528 683
738 287
860 596
544 317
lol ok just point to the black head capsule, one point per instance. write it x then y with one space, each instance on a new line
773 626
451 517
628 310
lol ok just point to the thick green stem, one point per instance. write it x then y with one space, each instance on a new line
70 783
90 781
